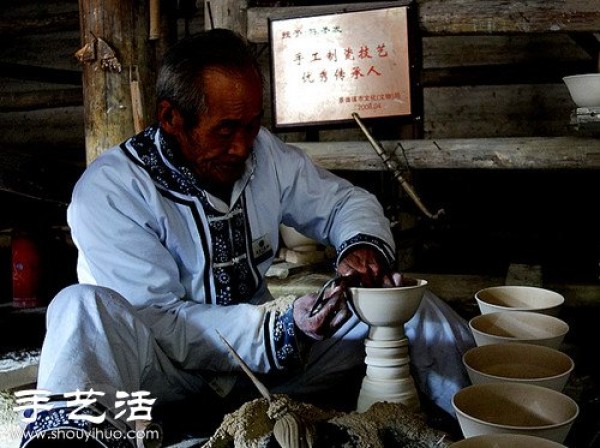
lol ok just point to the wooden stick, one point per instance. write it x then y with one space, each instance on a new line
154 33
259 385
137 109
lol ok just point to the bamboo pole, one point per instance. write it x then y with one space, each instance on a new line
154 33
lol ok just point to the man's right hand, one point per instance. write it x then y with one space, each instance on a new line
327 320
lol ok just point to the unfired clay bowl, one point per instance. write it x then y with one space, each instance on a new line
386 310
519 298
512 408
518 363
503 327
506 441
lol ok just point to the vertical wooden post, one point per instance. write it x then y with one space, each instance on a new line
108 112
229 14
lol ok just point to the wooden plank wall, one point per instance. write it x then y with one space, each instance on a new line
479 85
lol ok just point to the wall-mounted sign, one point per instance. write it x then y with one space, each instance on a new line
326 67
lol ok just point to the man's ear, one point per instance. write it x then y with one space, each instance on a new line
169 117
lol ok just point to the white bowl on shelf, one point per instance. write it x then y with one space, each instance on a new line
584 89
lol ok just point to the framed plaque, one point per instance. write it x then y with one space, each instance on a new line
326 67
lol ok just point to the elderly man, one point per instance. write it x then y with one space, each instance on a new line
176 228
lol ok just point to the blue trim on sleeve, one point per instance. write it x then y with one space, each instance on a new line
284 339
361 238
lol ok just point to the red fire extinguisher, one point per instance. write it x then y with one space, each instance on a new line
26 271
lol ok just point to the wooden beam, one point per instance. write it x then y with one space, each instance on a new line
462 17
67 21
477 153
454 17
503 74
41 74
40 99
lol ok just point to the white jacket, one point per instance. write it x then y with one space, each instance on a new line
180 256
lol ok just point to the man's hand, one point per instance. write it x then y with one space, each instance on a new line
366 266
327 320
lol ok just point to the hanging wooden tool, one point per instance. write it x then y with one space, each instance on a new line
154 31
137 108
392 165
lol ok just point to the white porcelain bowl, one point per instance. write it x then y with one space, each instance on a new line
386 310
518 363
519 298
503 327
584 89
512 408
506 441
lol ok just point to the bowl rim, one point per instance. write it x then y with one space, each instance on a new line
582 75
420 284
559 296
543 389
518 312
503 436
519 346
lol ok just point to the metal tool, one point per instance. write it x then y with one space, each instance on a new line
392 165
321 301
337 279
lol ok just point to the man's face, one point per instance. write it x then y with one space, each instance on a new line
218 146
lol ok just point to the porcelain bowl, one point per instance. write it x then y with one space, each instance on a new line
513 408
519 298
506 441
518 363
386 310
584 89
503 327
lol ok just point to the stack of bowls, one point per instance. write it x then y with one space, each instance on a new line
517 370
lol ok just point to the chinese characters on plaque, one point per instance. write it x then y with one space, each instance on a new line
326 67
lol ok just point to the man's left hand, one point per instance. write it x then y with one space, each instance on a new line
365 265
327 320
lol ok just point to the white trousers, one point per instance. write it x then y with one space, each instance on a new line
96 340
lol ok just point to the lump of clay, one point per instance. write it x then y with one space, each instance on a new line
383 425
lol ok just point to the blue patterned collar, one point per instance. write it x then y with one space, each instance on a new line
162 160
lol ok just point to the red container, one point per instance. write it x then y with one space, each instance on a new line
26 271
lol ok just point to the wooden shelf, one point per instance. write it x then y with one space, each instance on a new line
479 153
586 119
